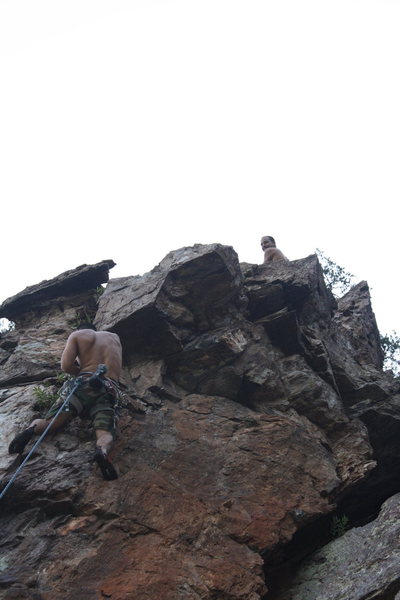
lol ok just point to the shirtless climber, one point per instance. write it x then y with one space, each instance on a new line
271 252
85 350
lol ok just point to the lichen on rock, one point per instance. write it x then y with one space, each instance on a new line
253 411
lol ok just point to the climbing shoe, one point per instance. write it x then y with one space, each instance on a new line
106 466
20 441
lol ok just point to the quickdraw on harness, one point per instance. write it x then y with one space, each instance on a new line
95 380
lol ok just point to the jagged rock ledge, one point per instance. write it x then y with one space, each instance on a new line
81 278
255 409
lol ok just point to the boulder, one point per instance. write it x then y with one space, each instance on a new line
68 283
188 292
254 409
362 563
45 315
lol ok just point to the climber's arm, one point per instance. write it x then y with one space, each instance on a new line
69 358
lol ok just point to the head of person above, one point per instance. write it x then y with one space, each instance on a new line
267 241
271 252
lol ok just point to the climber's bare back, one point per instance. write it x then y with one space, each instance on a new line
90 349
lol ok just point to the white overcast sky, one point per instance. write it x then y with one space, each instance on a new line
132 128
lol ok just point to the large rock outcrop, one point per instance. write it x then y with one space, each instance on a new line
44 314
253 412
370 552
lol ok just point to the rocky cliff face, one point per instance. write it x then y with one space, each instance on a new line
255 411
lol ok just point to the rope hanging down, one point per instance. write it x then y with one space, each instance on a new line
78 382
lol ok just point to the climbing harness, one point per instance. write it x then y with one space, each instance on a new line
95 381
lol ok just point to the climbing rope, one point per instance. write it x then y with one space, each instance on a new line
76 385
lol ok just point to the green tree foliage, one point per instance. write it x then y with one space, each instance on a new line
391 349
99 292
339 525
337 279
43 399
46 394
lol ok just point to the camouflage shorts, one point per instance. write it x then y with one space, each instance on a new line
99 405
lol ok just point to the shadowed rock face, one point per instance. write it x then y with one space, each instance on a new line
372 552
253 409
190 291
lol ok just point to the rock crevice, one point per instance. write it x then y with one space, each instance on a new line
255 408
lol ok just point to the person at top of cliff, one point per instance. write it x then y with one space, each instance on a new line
271 252
85 350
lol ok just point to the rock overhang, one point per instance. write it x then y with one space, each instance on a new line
82 278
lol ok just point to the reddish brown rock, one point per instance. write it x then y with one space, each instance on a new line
250 415
205 486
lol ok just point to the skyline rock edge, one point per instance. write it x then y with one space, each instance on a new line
255 409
